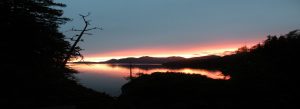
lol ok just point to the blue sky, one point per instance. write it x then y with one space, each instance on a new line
171 24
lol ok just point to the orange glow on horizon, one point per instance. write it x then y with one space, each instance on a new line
186 51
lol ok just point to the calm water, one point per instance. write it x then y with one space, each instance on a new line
109 78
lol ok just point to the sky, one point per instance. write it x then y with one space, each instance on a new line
188 28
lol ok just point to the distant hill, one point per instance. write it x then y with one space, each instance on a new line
191 62
146 60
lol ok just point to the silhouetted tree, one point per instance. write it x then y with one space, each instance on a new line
243 49
30 31
33 51
75 49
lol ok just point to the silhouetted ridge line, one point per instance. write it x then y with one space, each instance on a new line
274 51
145 60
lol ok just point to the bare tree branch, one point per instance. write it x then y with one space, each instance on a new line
75 49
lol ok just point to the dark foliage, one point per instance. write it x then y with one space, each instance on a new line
192 91
275 52
265 75
175 91
33 51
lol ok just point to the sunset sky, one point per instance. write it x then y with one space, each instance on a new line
187 28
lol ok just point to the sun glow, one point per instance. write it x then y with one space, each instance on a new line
157 53
186 51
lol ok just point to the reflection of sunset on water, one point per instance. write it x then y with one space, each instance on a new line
111 77
103 69
123 71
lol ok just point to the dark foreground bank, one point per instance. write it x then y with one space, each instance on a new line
191 91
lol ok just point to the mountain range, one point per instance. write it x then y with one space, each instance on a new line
146 60
158 60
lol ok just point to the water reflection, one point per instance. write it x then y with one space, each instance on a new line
109 78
